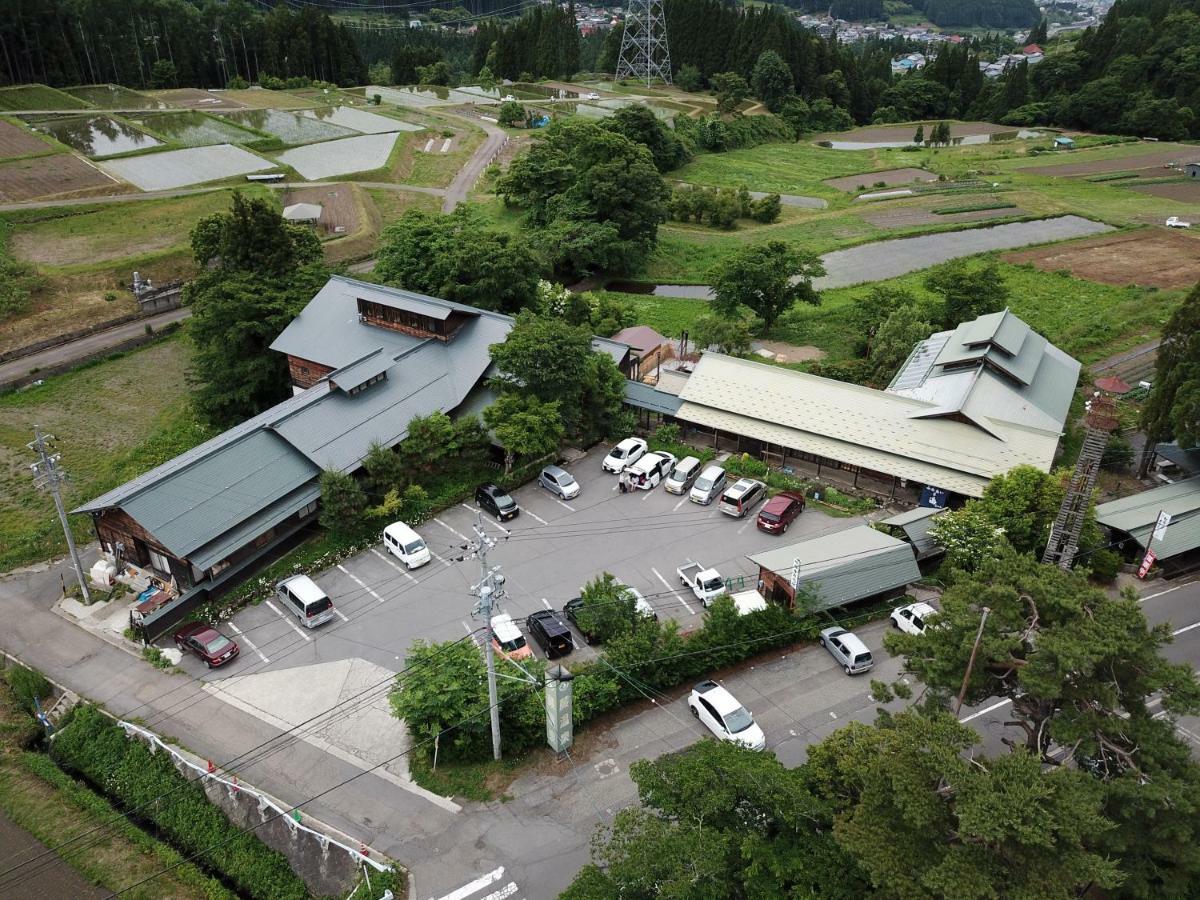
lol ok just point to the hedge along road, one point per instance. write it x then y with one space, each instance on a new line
882 260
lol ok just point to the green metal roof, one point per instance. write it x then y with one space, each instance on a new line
267 518
1136 515
915 523
845 566
645 396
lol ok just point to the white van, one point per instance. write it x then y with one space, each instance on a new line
307 602
406 545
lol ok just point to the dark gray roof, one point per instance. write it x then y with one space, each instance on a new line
845 566
645 396
268 517
1187 460
374 363
915 523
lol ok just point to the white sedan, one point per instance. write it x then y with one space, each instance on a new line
914 618
724 716
628 451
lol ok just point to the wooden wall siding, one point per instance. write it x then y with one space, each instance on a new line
114 525
776 586
305 373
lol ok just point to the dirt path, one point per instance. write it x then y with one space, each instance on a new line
457 192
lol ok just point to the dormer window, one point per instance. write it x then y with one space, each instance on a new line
412 315
374 379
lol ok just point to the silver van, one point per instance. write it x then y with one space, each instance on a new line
708 486
847 649
682 475
307 602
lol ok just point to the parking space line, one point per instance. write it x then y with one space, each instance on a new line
647 495
501 527
440 559
504 893
399 568
1179 631
461 537
985 710
675 508
249 643
474 886
360 583
564 505
749 521
669 587
290 624
536 516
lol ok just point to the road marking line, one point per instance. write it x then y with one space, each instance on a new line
461 537
646 496
440 559
501 527
679 504
359 582
1185 628
536 516
1160 593
341 615
667 585
399 568
290 624
477 885
748 523
546 603
985 711
564 505
249 643
507 891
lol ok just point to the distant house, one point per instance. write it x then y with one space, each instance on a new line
1032 50
839 568
364 360
1064 143
1130 522
1192 169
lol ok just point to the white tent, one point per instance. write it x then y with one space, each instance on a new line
302 212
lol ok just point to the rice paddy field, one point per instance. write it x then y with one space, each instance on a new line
341 157
96 136
289 127
113 96
180 168
195 129
37 97
358 120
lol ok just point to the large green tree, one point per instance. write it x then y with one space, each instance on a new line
772 80
1173 408
767 279
641 125
459 258
894 341
258 273
524 425
731 89
967 292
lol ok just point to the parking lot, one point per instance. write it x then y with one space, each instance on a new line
547 554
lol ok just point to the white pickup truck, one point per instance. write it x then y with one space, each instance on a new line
706 584
1176 222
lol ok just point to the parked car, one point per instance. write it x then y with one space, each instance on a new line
307 602
507 639
574 605
212 647
628 451
1176 222
651 469
914 618
849 651
707 584
496 500
708 486
550 633
406 545
779 512
745 494
682 475
559 481
724 716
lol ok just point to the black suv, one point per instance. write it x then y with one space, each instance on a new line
550 633
495 500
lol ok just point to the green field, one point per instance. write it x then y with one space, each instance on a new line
113 419
37 96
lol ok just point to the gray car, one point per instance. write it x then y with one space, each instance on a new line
559 481
849 651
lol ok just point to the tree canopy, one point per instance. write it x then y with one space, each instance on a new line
767 279
1172 412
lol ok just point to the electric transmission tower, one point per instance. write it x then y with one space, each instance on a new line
49 476
644 52
1064 535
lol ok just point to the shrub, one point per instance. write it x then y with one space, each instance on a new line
766 210
1105 564
126 771
668 433
28 685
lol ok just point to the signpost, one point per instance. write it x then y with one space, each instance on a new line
1159 533
560 732
1147 562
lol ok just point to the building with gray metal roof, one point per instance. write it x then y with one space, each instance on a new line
838 568
1131 521
365 361
913 526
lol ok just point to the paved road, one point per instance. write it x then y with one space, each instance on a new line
20 368
457 192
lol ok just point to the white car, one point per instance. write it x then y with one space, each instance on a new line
651 469
914 618
628 451
1176 222
724 716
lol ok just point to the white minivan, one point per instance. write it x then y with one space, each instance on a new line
307 602
406 545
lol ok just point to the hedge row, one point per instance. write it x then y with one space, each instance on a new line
127 772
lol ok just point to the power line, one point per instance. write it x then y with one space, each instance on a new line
49 475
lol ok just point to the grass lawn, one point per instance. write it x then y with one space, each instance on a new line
438 169
55 808
393 204
37 96
113 419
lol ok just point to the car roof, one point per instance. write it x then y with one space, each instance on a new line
849 639
723 701
304 587
688 462
779 503
833 631
921 608
491 487
554 471
549 617
713 470
504 627
742 485
400 529
630 442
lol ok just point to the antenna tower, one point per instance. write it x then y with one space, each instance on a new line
644 52
1064 535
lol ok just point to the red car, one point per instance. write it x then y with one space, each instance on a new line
207 643
778 512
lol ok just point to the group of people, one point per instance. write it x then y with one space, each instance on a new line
625 482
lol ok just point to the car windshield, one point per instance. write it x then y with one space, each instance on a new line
414 547
218 643
713 584
618 452
515 644
738 720
503 501
703 484
565 480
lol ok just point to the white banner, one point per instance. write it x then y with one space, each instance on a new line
1160 527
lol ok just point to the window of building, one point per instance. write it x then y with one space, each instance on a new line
308 510
159 562
374 379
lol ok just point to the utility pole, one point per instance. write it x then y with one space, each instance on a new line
971 662
48 476
490 591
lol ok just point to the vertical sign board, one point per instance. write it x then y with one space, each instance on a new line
560 732
1147 562
1160 526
